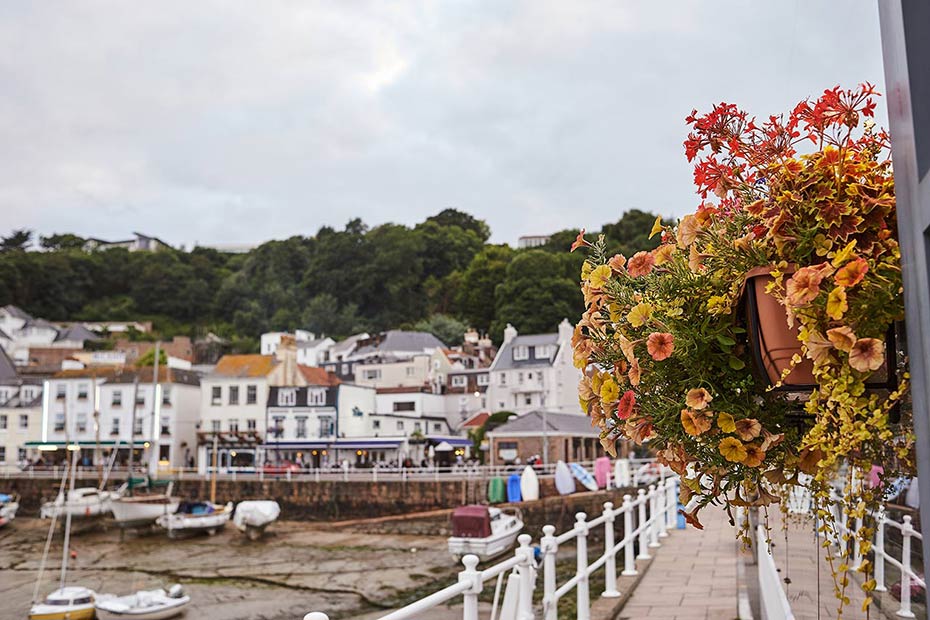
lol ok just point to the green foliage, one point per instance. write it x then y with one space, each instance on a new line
475 298
149 358
18 240
448 329
66 241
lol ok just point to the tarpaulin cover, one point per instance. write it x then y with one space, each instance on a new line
471 522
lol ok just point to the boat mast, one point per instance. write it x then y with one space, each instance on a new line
64 550
154 453
213 477
98 457
132 428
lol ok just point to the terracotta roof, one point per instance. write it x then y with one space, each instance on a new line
476 420
405 390
87 373
244 365
319 376
165 375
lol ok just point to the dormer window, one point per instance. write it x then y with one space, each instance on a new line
316 397
287 397
521 352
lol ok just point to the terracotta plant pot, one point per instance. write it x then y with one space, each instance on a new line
771 341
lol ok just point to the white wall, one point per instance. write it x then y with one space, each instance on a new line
224 412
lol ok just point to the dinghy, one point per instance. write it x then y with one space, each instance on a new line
9 504
253 517
68 603
583 476
85 502
602 472
529 484
483 531
513 488
497 491
564 481
143 605
194 517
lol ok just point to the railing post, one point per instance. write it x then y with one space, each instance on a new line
906 531
641 525
622 471
581 549
472 576
661 511
526 570
374 474
880 551
629 562
550 548
653 524
671 502
610 565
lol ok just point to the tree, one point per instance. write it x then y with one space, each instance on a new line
324 316
448 329
18 240
148 359
454 217
61 242
475 301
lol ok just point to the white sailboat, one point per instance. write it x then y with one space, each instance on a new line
195 517
143 605
131 510
84 502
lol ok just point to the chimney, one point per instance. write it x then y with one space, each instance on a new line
510 332
565 331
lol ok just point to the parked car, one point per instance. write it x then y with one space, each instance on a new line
281 467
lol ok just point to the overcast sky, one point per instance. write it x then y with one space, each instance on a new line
228 122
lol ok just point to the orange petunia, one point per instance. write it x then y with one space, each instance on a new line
641 264
754 456
867 354
698 398
818 347
732 450
842 338
639 429
634 374
852 272
748 429
663 253
580 242
695 423
660 345
688 229
626 404
803 286
616 262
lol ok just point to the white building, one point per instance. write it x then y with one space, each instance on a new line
532 241
534 372
20 331
311 351
20 413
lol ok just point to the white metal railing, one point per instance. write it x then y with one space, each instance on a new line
882 553
646 520
773 602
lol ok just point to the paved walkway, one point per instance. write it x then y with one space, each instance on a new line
692 576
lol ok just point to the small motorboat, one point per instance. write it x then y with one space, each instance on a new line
83 502
252 517
141 510
193 517
143 605
483 531
9 504
69 603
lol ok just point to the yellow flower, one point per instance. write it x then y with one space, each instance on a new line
852 272
732 450
836 303
610 391
695 423
663 253
725 422
640 313
843 255
599 276
698 398
586 269
656 227
842 338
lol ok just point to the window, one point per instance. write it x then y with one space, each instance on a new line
376 424
372 374
529 376
301 427
233 394
437 427
81 422
483 379
117 399
3 453
277 430
250 424
215 426
59 422
400 425
528 400
411 370
4 395
165 425
114 426
23 421
166 395
521 352
503 378
357 413
459 381
345 369
216 395
316 397
407 405
519 377
60 391
82 391
417 427
251 394
287 397
507 445
137 427
435 364
3 422
234 426
327 427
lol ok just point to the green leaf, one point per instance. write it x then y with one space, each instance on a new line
725 340
736 363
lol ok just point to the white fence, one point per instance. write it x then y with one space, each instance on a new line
646 519
773 602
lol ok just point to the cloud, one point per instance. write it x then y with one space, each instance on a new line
235 122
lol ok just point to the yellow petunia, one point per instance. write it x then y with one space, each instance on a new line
609 391
656 227
845 254
663 253
725 422
732 450
640 313
599 276
836 303
586 269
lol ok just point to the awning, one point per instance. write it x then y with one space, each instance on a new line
296 444
138 443
455 442
365 445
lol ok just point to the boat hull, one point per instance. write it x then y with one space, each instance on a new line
76 613
486 548
136 512
166 611
180 523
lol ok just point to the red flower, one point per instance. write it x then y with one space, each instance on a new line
660 345
625 407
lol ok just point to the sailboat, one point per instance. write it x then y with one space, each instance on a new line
138 510
193 517
67 602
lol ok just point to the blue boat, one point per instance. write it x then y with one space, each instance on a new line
513 488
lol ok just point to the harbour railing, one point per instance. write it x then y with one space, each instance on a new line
646 519
882 551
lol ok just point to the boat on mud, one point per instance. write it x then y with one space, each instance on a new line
9 504
484 531
196 517
252 517
84 502
68 603
144 504
143 605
